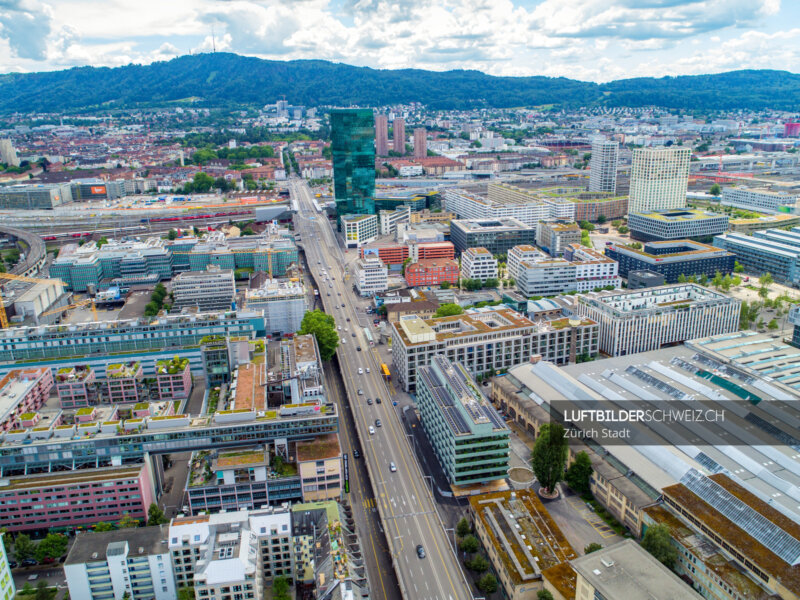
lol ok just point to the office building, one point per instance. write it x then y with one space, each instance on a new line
381 135
273 252
372 276
399 136
209 290
78 499
359 230
603 166
84 190
517 524
8 154
626 570
420 143
353 153
580 270
773 251
389 219
111 565
684 224
648 319
760 199
434 271
672 259
33 196
498 236
482 340
749 225
644 279
659 178
554 238
283 303
505 200
478 263
467 434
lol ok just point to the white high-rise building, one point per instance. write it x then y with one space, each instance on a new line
8 153
372 276
603 166
659 178
478 263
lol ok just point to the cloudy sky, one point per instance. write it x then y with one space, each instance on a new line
597 40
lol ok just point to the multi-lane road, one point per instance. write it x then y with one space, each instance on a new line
402 497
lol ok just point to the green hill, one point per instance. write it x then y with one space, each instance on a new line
229 79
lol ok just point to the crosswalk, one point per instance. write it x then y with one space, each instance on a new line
369 503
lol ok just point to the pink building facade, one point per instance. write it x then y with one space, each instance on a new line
420 142
23 391
124 382
174 386
399 136
381 135
76 386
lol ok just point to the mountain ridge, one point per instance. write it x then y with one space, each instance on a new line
230 79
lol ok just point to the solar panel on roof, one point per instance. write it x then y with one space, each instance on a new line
775 538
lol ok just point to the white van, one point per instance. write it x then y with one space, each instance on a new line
371 430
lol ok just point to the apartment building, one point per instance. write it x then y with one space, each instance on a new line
659 179
111 565
381 135
672 259
283 303
478 263
209 290
626 570
75 386
469 438
76 499
581 269
516 523
558 208
690 223
498 236
22 392
482 340
420 142
359 230
760 199
173 379
432 272
554 238
372 276
603 166
650 318
124 382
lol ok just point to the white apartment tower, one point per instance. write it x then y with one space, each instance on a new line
659 178
478 263
603 166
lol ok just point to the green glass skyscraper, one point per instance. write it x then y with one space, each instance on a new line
353 152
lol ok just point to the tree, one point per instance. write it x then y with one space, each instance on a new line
127 521
202 182
579 472
658 542
186 593
772 325
172 234
491 283
738 267
42 593
463 528
593 547
623 229
469 544
23 547
52 546
488 583
726 282
681 278
601 219
717 281
586 226
544 595
549 456
280 588
102 242
763 291
323 328
766 279
704 280
478 564
406 262
448 310
445 285
715 190
155 516
103 526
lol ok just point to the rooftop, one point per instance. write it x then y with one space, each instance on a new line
240 458
655 298
320 448
681 215
97 545
493 320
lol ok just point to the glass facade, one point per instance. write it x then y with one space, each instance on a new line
353 151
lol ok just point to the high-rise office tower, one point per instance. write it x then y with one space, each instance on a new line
399 136
381 135
420 143
659 178
603 174
8 153
353 152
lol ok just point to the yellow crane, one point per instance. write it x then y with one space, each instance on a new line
12 277
89 301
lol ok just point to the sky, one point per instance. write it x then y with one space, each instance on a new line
590 40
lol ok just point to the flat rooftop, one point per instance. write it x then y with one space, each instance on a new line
240 458
681 215
320 448
490 320
250 393
664 296
94 546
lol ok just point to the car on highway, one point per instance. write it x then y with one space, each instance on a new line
348 318
371 430
329 293
377 399
12 564
344 340
367 369
360 371
420 551
339 328
353 334
343 307
360 392
369 401
377 422
392 467
358 348
356 453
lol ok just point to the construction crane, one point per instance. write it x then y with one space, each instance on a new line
89 301
12 277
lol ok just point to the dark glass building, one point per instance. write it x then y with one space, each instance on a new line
353 152
672 259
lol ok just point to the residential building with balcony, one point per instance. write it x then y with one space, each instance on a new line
23 391
467 434
75 386
432 272
124 382
581 269
173 379
659 179
603 166
478 263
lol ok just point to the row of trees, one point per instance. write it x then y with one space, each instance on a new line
156 303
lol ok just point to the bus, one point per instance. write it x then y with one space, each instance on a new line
385 372
368 336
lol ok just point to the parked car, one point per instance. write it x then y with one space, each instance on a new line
30 562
